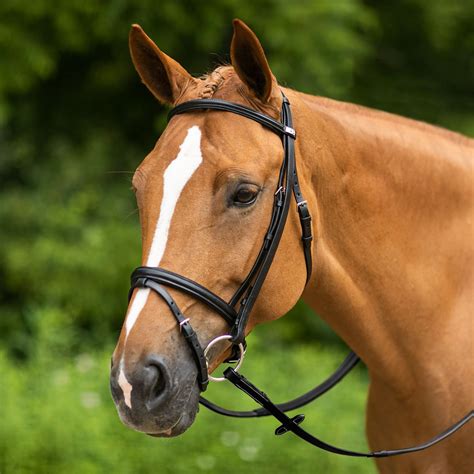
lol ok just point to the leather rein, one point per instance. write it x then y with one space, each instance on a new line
236 312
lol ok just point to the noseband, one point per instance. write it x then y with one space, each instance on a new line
236 312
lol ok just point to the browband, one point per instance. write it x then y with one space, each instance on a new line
225 106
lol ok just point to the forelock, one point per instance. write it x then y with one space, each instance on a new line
224 83
217 82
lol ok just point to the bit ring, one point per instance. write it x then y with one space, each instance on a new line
215 341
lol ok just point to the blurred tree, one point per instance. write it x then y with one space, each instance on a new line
422 64
74 116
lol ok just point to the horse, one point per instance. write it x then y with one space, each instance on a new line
391 201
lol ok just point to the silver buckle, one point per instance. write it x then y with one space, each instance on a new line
182 323
290 131
281 188
302 203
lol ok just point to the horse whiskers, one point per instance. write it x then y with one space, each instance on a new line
131 213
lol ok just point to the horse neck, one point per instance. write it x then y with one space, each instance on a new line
388 196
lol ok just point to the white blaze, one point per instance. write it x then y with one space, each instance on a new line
176 175
138 303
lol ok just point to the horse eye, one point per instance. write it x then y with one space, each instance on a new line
245 196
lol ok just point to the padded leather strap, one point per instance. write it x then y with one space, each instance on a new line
179 282
225 106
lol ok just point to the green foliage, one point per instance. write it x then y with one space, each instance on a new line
58 417
39 40
72 244
423 62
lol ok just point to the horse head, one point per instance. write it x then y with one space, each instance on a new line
205 195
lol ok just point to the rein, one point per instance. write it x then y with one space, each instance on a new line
236 312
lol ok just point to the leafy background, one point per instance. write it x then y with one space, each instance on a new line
74 124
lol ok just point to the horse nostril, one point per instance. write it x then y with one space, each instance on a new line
155 382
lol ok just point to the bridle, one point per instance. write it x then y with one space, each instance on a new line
236 312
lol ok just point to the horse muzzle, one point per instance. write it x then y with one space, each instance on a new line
149 399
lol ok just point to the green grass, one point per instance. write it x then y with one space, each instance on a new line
58 417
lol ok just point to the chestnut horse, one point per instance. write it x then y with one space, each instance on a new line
391 200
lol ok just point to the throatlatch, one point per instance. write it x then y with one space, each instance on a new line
237 311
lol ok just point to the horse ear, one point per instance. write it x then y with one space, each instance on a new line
249 61
164 77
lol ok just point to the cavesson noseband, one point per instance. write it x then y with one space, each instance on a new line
236 312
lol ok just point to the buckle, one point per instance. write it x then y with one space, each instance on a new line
290 131
281 189
182 323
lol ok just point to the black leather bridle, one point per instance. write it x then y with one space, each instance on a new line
236 312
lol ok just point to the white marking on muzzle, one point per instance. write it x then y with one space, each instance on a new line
175 178
125 386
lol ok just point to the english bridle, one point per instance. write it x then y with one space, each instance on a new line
236 312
